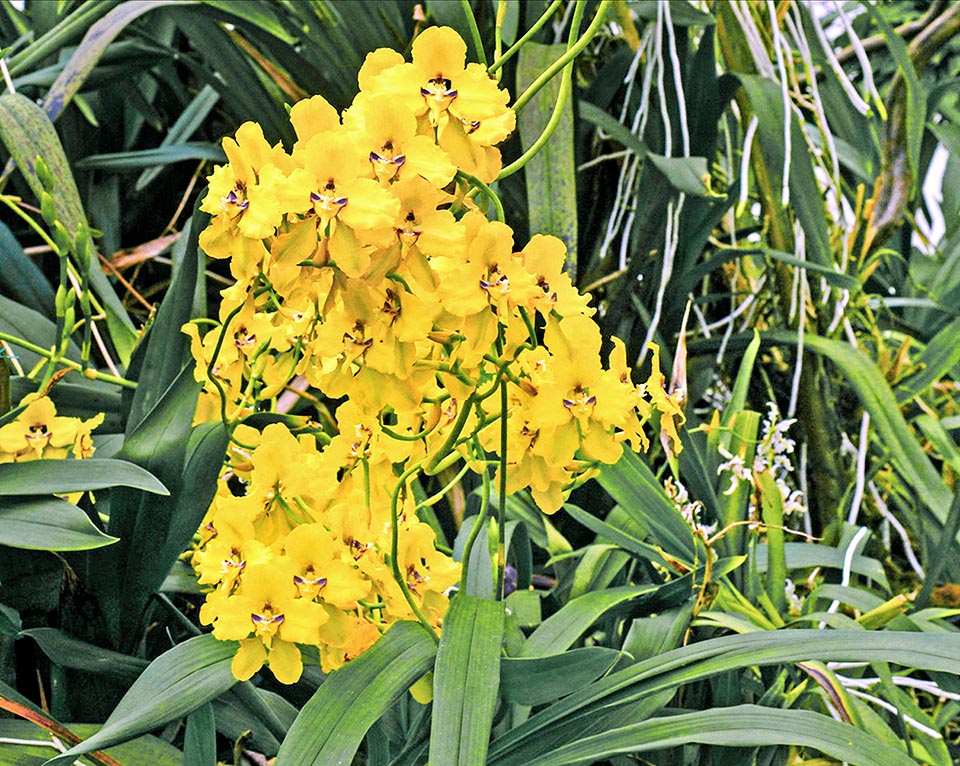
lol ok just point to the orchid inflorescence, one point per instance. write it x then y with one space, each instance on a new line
366 267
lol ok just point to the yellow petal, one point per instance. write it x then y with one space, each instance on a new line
249 659
285 662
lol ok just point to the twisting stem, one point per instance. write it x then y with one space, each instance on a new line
474 31
572 52
566 88
395 547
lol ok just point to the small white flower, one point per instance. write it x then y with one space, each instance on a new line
737 467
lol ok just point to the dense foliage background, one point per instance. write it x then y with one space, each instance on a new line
751 185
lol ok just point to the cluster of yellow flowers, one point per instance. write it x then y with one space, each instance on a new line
364 265
38 433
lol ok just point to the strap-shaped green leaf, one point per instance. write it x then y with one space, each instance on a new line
40 477
806 200
742 725
332 724
632 484
538 680
560 630
175 684
551 175
878 399
559 724
47 524
69 652
466 682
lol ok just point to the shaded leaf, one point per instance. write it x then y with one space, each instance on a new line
47 524
70 652
535 681
466 680
332 724
175 684
38 477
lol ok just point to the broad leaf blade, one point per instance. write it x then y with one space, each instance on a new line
551 175
47 524
538 680
466 681
742 725
173 685
560 630
39 477
70 652
632 484
560 723
332 724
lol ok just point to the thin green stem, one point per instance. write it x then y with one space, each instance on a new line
502 491
474 31
395 547
475 531
436 498
487 192
38 230
70 365
448 445
571 53
498 32
515 48
566 89
213 361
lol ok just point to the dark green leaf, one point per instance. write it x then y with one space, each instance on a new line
21 278
332 724
92 47
47 524
146 158
685 174
174 685
200 738
612 127
535 681
69 652
466 680
39 477
682 13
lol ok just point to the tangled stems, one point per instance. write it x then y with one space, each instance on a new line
566 85
395 547
502 492
477 526
528 35
55 358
